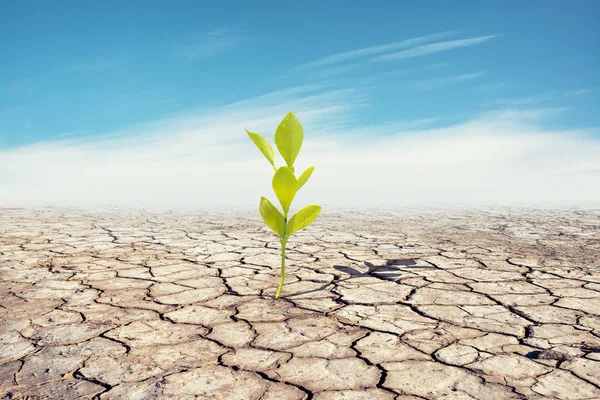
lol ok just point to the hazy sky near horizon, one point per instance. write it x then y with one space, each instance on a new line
144 103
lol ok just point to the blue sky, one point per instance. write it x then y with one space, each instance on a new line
470 100
87 68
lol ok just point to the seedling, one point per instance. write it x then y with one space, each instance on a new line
288 139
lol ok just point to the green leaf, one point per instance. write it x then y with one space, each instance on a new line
272 217
304 177
285 185
263 145
288 138
302 219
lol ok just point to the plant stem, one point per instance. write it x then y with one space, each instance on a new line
283 241
283 244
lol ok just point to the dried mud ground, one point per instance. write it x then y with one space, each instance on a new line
482 304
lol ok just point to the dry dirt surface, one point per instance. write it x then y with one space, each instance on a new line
481 304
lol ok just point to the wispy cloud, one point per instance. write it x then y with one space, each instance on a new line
520 101
333 71
98 64
340 63
494 86
368 51
577 92
433 83
203 158
386 75
522 115
209 44
433 48
536 99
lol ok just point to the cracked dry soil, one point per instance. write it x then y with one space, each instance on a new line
487 304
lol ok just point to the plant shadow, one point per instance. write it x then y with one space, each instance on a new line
389 272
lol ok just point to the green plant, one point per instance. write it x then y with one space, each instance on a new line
288 139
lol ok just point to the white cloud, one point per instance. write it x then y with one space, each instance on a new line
520 101
577 92
433 48
210 44
204 159
333 71
99 64
386 75
433 83
367 51
537 99
494 86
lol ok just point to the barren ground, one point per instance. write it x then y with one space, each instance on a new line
495 304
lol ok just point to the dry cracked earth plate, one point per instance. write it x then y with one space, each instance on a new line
494 304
